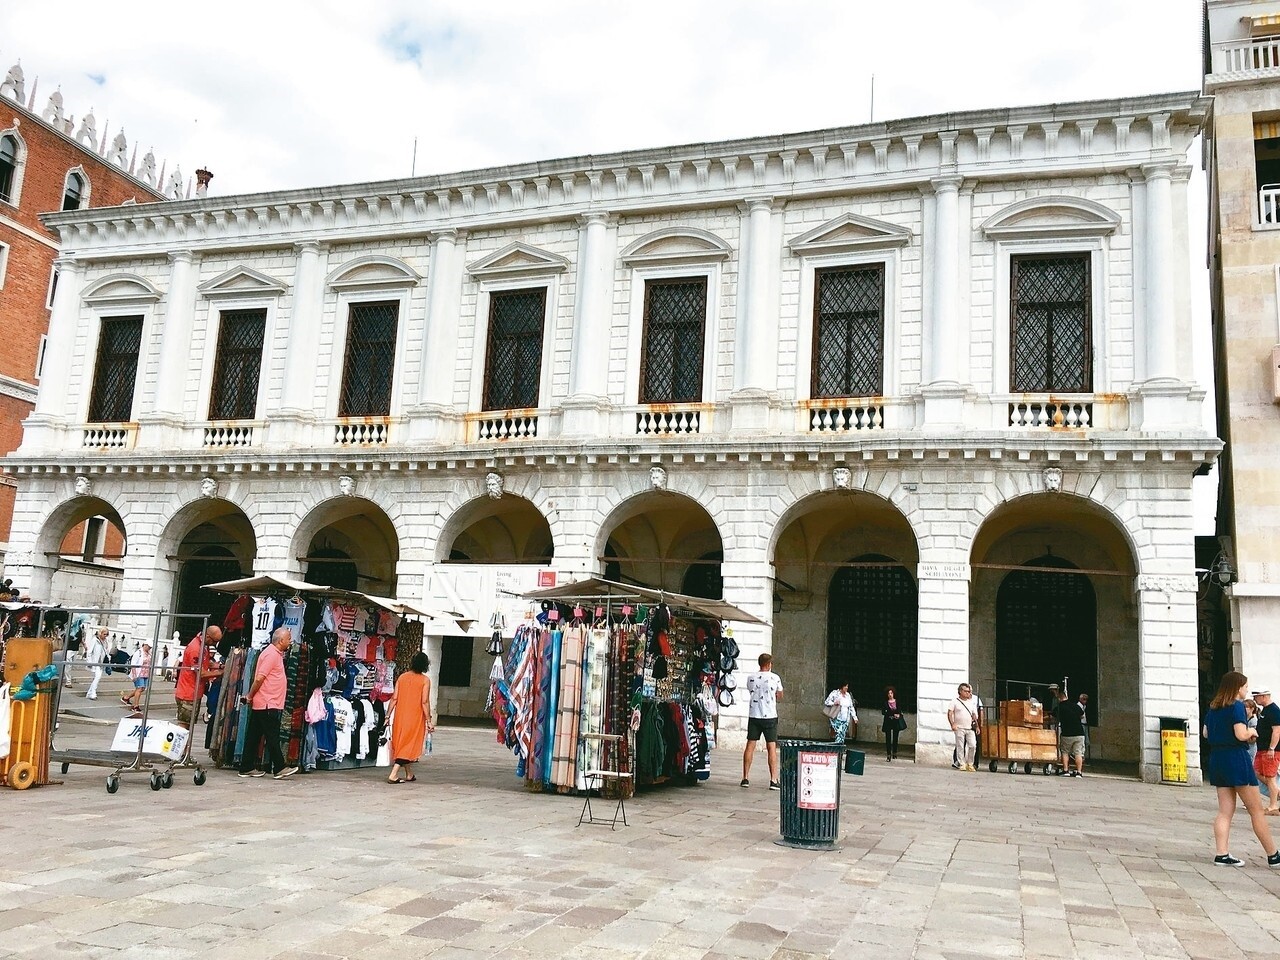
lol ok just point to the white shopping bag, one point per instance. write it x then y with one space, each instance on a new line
159 737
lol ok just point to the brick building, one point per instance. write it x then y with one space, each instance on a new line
49 162
918 393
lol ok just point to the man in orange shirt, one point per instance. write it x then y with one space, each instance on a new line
266 701
198 652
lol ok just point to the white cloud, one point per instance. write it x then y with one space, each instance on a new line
279 94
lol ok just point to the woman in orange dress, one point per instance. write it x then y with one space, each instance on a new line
410 718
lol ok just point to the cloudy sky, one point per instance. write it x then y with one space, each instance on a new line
281 93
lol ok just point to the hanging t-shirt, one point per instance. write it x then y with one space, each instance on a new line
293 613
264 614
344 719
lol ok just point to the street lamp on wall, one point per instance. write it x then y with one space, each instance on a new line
1221 572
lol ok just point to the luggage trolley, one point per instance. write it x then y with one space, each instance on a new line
159 770
1019 732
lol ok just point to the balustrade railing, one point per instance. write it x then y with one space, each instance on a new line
1250 55
362 432
109 436
1051 415
670 420
228 434
844 416
504 425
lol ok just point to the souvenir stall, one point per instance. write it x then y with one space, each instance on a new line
596 657
348 649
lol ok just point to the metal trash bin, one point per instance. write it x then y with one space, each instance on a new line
809 802
1173 749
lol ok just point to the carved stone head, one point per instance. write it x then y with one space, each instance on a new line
347 486
83 486
658 478
208 487
1052 479
493 485
842 478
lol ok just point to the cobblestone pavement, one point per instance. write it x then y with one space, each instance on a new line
465 863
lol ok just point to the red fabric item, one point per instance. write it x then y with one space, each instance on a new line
234 620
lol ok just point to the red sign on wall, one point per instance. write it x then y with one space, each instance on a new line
546 578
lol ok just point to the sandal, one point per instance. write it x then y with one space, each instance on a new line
395 781
1272 813
410 779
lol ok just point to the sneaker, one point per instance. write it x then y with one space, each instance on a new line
1274 859
1063 773
91 696
254 773
955 765
1227 860
774 785
745 782
286 773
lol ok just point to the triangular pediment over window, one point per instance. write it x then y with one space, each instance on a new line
676 245
373 272
1051 217
849 231
242 282
517 260
121 288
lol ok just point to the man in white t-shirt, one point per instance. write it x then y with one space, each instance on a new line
765 690
965 717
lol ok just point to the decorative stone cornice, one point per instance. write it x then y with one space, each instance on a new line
986 144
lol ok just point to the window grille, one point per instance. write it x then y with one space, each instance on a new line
238 365
848 332
675 321
116 370
871 631
1050 342
370 361
8 167
513 364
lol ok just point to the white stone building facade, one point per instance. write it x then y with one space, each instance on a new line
918 393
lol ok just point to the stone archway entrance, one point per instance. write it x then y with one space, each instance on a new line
665 541
872 620
79 556
350 543
509 529
207 541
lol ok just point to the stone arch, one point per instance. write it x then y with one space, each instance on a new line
684 244
612 503
121 288
656 536
442 524
1055 216
355 526
373 271
206 540
68 582
509 529
1036 536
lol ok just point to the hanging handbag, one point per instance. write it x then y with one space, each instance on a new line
831 710
900 723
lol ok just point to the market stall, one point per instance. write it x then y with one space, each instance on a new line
594 658
349 648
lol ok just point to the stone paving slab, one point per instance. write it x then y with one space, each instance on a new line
466 863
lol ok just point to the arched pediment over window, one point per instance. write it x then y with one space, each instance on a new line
373 272
242 282
517 260
849 231
121 288
1051 217
676 245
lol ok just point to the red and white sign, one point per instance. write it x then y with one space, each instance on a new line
818 777
546 579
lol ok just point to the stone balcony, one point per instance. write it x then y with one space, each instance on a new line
1247 58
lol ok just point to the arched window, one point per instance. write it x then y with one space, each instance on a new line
73 193
8 167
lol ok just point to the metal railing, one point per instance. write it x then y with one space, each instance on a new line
1250 55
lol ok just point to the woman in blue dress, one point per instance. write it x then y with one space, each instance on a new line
1226 728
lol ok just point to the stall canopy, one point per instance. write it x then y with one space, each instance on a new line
595 588
269 584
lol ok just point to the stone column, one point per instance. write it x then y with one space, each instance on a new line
1170 666
1162 397
434 417
748 584
164 417
755 369
942 390
586 408
55 404
943 653
297 412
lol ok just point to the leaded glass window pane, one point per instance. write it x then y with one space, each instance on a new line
675 320
370 361
848 332
513 361
116 370
238 365
1050 343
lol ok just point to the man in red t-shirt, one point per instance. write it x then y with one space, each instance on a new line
185 692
